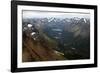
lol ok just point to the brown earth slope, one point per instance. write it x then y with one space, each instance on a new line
34 50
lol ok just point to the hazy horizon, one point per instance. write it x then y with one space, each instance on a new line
45 14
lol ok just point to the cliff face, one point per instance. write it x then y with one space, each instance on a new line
46 39
39 49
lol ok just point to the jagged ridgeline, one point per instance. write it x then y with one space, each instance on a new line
51 38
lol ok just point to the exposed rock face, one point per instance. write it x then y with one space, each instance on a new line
39 49
56 39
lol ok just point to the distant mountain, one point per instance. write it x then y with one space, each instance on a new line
72 34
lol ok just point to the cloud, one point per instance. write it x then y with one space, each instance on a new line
43 14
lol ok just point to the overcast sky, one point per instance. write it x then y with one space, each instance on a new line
43 14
